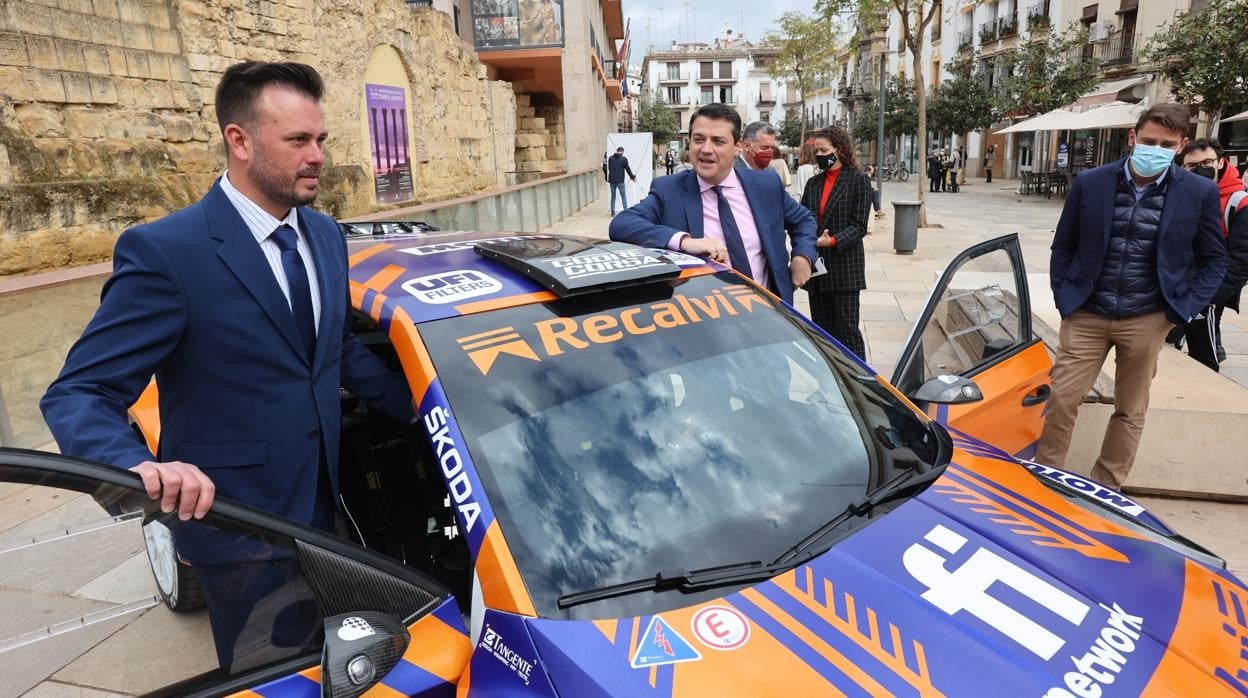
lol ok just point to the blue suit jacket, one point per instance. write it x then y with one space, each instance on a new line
1191 253
675 205
193 301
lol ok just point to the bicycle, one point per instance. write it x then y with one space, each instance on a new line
896 171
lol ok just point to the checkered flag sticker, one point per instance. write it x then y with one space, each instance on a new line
354 628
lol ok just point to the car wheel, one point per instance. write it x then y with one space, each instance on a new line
176 583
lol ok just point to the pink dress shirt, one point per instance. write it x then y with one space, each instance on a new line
741 213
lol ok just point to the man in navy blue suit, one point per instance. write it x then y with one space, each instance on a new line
1138 249
729 215
238 305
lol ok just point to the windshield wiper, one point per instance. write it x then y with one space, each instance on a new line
889 492
755 571
683 580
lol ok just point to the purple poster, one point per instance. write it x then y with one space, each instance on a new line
387 134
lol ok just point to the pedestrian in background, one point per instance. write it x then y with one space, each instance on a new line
669 160
934 171
805 167
1204 157
875 190
839 197
959 162
1119 283
604 167
780 166
990 155
757 143
617 166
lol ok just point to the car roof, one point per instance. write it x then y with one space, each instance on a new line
427 277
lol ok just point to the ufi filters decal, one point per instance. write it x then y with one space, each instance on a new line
452 286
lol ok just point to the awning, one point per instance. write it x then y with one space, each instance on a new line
1242 116
1107 92
1044 122
1114 115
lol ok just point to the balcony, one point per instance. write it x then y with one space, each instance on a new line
1007 27
1118 50
674 77
1038 19
964 40
987 33
722 78
766 100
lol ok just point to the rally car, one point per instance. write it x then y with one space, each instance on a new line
636 473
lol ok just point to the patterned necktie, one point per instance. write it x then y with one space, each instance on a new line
732 236
300 288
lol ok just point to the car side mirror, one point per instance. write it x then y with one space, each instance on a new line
360 649
947 389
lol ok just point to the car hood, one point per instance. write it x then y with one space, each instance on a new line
987 583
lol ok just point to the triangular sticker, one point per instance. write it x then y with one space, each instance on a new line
661 644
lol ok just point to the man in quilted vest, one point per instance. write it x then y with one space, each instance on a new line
1138 249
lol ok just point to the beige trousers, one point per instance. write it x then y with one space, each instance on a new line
1086 339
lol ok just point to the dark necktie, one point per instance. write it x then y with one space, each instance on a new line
300 288
732 236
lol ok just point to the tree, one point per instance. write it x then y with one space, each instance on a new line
901 112
915 16
1204 55
790 133
1041 76
655 116
807 52
964 102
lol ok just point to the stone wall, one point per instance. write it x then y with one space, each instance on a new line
106 116
539 139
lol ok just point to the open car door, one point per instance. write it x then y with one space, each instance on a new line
85 556
977 325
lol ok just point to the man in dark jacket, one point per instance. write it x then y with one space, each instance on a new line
1138 249
617 165
1204 158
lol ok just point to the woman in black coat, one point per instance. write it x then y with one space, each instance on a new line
839 197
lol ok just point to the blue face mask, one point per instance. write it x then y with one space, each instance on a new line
1150 160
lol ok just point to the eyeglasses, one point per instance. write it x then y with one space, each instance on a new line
1208 162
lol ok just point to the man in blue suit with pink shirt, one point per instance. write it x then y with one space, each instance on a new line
238 305
729 215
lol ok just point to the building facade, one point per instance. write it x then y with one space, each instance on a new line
562 58
731 70
988 31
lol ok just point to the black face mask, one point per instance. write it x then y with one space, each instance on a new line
1209 172
825 162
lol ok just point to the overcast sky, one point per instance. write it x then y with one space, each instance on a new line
701 20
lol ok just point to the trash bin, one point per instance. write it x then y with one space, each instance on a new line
905 226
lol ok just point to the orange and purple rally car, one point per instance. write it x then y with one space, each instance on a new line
639 474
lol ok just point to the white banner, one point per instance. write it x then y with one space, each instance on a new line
638 148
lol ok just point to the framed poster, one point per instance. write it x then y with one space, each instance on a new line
388 142
509 24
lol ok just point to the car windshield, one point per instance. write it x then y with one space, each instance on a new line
673 426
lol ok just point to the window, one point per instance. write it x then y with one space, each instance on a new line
764 92
673 95
725 95
673 71
725 70
764 116
456 20
938 15
708 95
708 70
